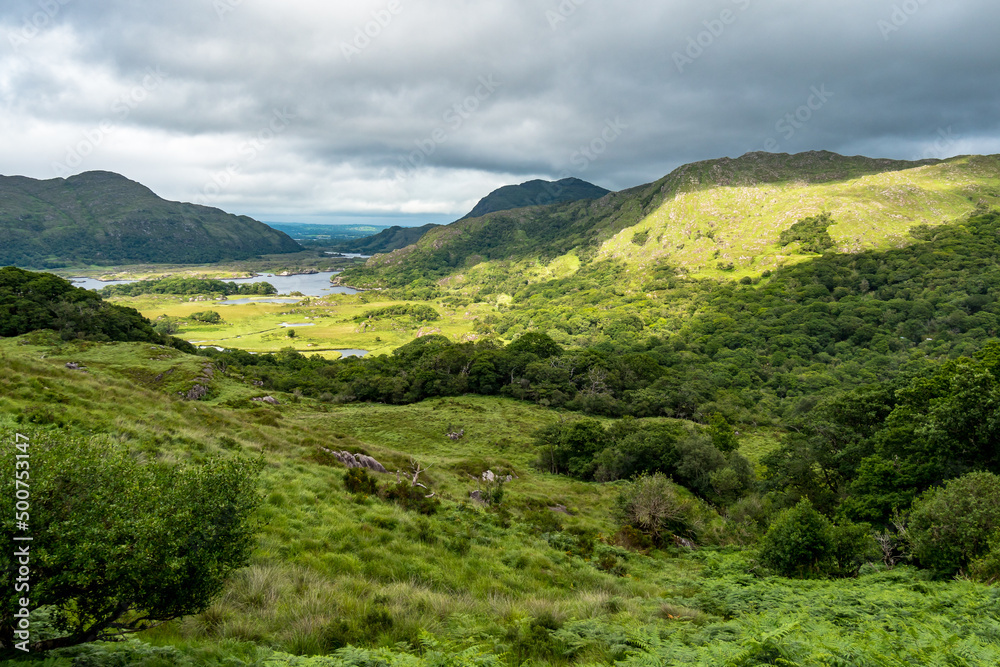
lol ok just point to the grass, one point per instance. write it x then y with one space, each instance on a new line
326 324
467 583
698 230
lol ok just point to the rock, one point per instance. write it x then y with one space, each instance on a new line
685 543
357 460
489 476
476 495
270 400
561 509
73 366
195 393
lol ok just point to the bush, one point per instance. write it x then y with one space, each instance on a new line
359 480
657 507
802 542
798 543
950 527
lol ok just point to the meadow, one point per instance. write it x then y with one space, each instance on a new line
321 325
342 578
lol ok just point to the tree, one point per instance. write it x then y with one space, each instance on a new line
798 542
120 546
950 526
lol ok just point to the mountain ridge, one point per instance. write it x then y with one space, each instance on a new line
714 218
100 217
536 192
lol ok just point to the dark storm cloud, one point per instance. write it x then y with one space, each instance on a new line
398 106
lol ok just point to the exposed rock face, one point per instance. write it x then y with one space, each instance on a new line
357 460
270 400
196 393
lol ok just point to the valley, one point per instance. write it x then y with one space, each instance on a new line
745 414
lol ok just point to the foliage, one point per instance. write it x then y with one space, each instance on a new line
118 545
657 507
188 286
31 301
951 526
801 542
811 233
419 313
207 316
359 480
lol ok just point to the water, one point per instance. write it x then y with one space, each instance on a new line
310 284
94 284
351 353
350 255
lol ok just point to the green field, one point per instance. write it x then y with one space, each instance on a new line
519 582
322 324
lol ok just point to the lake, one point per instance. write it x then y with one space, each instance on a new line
310 284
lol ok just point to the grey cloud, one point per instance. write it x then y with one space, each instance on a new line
376 116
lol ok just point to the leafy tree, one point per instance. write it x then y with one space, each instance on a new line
798 543
951 526
120 546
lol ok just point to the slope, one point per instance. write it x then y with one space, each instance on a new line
387 240
103 218
713 218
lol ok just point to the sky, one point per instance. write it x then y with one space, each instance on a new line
407 112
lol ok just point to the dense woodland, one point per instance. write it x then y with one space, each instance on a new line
189 286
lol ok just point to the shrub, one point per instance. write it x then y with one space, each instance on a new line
657 507
359 480
950 527
802 542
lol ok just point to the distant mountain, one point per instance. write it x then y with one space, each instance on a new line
536 193
99 217
386 240
718 218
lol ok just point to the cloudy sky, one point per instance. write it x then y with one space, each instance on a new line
406 111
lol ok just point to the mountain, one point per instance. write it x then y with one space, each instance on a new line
716 218
387 240
99 217
536 193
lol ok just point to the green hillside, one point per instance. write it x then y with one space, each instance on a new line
717 218
387 240
544 574
104 218
536 193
